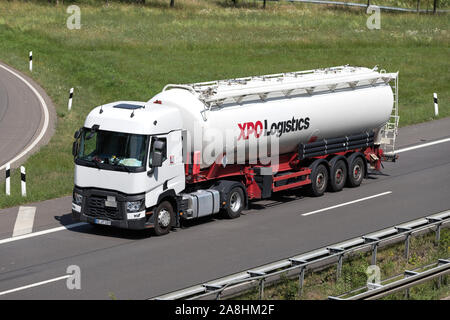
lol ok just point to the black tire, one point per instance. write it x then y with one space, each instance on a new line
356 172
338 176
235 203
319 180
164 218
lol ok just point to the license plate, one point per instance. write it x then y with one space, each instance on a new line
103 222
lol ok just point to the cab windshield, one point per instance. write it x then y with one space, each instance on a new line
113 150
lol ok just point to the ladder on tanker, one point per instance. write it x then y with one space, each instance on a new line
390 131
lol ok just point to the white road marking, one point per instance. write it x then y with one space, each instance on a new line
39 233
422 145
347 203
24 221
46 119
34 285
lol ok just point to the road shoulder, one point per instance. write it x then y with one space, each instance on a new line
52 118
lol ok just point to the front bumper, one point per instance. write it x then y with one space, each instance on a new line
137 224
94 209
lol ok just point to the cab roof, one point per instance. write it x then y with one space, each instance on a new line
135 117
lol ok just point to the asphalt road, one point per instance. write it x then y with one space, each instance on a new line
22 117
131 265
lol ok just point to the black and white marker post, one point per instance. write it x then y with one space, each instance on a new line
69 106
23 181
8 180
31 60
436 107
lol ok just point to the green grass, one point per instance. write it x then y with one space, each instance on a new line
129 52
391 260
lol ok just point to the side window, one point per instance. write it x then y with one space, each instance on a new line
88 146
164 151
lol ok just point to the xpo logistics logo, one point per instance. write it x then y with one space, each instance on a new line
260 128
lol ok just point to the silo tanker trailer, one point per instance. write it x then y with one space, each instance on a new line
198 149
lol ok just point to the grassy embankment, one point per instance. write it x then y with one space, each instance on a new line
130 52
391 260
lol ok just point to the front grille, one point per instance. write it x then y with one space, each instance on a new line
96 208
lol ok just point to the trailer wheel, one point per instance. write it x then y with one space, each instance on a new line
235 203
338 175
164 218
356 172
319 180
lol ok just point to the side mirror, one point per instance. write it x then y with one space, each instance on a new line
77 134
75 148
157 155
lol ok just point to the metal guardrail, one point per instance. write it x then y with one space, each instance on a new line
326 256
411 278
364 5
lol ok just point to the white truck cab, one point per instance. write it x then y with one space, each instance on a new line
127 156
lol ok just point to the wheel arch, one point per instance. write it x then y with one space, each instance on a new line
225 186
315 163
170 196
335 158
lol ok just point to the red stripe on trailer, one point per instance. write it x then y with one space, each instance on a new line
292 175
292 185
304 172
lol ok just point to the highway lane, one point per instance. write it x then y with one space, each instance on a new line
25 124
129 265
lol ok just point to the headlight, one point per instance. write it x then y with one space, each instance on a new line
134 206
77 198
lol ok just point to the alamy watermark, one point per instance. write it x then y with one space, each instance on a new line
226 146
373 276
73 282
74 20
374 20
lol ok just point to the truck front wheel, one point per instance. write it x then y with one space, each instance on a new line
164 218
235 203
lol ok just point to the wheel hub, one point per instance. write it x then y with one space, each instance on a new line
164 218
320 180
235 202
339 176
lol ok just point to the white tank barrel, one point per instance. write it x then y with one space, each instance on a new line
294 108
